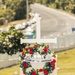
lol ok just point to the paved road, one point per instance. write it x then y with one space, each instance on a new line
53 21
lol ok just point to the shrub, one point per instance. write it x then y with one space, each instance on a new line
2 20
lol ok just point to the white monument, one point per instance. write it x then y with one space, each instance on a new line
39 40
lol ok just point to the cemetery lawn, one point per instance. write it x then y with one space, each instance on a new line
10 70
66 63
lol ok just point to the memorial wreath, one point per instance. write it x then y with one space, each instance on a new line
29 52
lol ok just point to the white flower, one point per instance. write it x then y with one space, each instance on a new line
10 36
19 58
48 56
6 39
31 45
42 56
29 69
4 42
10 45
28 56
41 73
40 49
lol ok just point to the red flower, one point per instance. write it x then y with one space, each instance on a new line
26 48
53 68
54 60
35 46
46 72
33 73
45 50
51 63
22 53
30 49
31 52
25 65
40 70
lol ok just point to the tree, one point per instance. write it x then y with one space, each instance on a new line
19 6
6 14
57 5
14 9
73 10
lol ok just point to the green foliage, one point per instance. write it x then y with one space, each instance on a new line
13 9
19 6
2 19
66 5
10 41
73 10
6 14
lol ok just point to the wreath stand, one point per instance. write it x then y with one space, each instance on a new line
39 40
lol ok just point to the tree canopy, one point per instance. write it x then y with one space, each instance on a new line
13 10
66 5
16 9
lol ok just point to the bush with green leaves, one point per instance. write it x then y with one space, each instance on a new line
10 41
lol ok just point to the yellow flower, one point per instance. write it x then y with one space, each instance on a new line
24 50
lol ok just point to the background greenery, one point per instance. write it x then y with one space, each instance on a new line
16 9
66 5
12 10
10 41
66 62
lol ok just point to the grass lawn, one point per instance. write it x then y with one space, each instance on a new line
66 63
10 70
